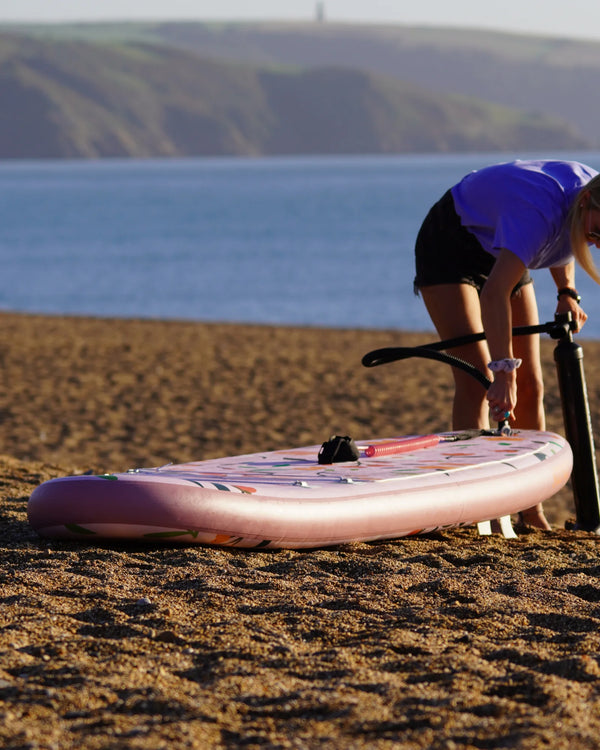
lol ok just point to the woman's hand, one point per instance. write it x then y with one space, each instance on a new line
502 395
568 304
564 278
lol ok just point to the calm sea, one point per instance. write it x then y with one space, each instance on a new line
321 241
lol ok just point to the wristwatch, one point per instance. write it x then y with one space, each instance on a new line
570 292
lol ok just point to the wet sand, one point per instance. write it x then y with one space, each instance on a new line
445 641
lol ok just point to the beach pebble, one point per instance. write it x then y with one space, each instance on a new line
143 602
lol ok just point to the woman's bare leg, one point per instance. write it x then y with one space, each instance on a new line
454 310
529 413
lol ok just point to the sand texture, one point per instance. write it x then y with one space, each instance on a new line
445 641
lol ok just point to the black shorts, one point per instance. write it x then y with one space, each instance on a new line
447 253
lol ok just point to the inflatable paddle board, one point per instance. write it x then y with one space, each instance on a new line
287 499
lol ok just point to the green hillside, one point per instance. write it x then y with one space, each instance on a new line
105 94
554 76
545 74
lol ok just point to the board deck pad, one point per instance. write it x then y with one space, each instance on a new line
285 498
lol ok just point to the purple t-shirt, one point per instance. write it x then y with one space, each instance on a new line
522 206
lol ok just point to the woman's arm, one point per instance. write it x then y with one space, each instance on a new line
497 323
564 278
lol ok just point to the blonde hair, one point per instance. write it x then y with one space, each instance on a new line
579 243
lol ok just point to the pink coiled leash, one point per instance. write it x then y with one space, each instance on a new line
402 445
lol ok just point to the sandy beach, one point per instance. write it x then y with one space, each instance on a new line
444 641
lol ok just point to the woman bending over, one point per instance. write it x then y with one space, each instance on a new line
473 255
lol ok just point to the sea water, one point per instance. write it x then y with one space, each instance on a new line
310 241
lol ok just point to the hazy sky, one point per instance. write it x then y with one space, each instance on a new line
571 18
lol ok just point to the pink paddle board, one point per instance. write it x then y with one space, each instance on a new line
287 499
